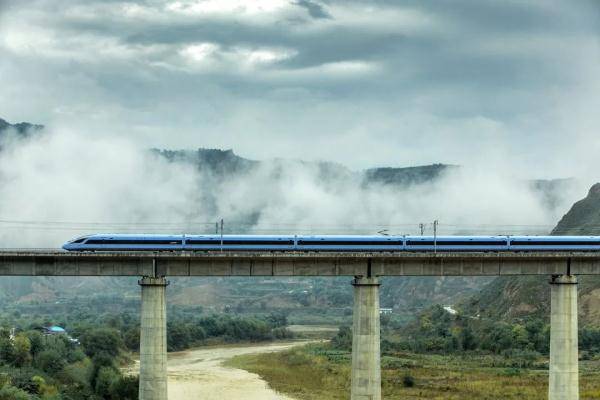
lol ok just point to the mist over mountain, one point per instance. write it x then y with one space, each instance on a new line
189 190
225 164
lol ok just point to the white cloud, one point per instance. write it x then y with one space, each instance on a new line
201 52
263 56
412 84
210 57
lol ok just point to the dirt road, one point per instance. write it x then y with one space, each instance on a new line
198 374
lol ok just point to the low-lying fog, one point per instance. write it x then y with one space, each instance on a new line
60 184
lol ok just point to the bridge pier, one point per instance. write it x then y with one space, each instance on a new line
366 357
153 339
564 367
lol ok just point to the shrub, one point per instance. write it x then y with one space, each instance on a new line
13 393
102 340
106 378
343 339
408 381
125 388
49 361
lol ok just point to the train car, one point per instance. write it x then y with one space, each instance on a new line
239 242
350 243
125 242
554 243
161 242
457 243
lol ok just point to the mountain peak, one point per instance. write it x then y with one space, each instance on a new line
594 190
583 217
22 128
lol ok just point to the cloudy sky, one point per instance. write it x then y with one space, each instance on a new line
364 83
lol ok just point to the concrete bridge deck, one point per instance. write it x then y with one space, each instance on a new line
153 267
25 262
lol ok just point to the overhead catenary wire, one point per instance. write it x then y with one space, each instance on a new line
270 223
291 227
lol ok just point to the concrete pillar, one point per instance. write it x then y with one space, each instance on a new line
366 357
564 365
153 340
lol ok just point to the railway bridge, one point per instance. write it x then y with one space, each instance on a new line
365 269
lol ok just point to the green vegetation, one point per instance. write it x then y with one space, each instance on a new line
183 333
37 366
438 331
319 371
440 355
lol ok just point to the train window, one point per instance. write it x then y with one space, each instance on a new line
240 242
131 241
455 243
79 240
350 242
554 243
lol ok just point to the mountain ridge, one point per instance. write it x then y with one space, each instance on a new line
21 128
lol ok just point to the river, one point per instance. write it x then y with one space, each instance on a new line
199 374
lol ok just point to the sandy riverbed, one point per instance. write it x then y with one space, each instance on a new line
198 374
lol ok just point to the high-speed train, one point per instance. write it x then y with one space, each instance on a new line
331 243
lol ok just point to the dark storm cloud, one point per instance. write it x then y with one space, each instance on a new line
315 10
457 78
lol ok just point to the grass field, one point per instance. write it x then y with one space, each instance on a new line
316 372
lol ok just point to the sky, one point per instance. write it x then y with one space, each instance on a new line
508 90
507 85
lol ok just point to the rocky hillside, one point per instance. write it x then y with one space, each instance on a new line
515 298
405 176
584 216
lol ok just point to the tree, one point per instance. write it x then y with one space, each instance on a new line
12 393
102 340
343 339
43 388
521 337
7 351
132 339
50 361
125 388
277 320
467 338
36 339
22 348
178 336
107 376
